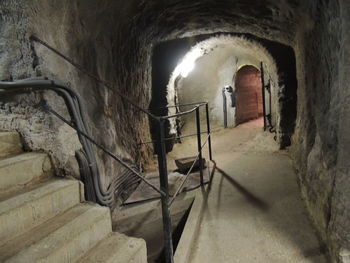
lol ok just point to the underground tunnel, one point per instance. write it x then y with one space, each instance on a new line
102 105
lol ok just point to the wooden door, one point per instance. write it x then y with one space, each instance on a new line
248 92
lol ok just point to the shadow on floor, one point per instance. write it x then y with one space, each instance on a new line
254 200
317 253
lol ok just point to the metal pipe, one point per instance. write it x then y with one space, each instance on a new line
183 181
270 103
224 106
48 108
199 143
79 67
183 105
172 138
263 93
164 186
187 175
208 130
76 110
89 190
179 114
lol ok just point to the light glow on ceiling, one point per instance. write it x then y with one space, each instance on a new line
188 63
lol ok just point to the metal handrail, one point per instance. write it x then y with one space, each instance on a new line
172 138
76 109
181 113
118 159
104 83
177 192
42 84
181 105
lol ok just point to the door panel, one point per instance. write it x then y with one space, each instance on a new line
248 94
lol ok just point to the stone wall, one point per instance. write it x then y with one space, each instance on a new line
101 38
319 141
340 212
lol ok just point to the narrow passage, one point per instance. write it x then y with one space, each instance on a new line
254 211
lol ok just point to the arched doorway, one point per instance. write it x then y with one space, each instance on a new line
248 89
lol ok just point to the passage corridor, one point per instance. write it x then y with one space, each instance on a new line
254 211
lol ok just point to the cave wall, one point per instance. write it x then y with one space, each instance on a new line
340 212
319 140
99 36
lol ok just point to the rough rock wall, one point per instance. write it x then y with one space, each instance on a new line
101 38
340 202
16 59
321 137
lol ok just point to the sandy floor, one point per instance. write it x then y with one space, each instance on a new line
253 212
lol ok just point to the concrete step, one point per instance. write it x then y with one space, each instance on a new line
62 239
10 144
24 169
15 245
22 212
117 248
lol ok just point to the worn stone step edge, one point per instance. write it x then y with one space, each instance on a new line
29 209
13 246
12 160
117 248
10 144
71 241
22 170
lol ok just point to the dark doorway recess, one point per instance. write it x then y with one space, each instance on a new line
166 56
248 94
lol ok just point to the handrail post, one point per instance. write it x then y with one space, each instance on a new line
270 103
224 107
163 179
199 140
208 131
263 92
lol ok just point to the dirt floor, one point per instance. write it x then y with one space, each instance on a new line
253 212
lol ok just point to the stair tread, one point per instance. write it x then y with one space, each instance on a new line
53 234
15 245
15 192
25 169
19 158
27 195
10 143
116 247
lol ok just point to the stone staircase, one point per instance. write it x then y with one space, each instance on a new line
45 219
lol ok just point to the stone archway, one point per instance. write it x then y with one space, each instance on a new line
248 90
